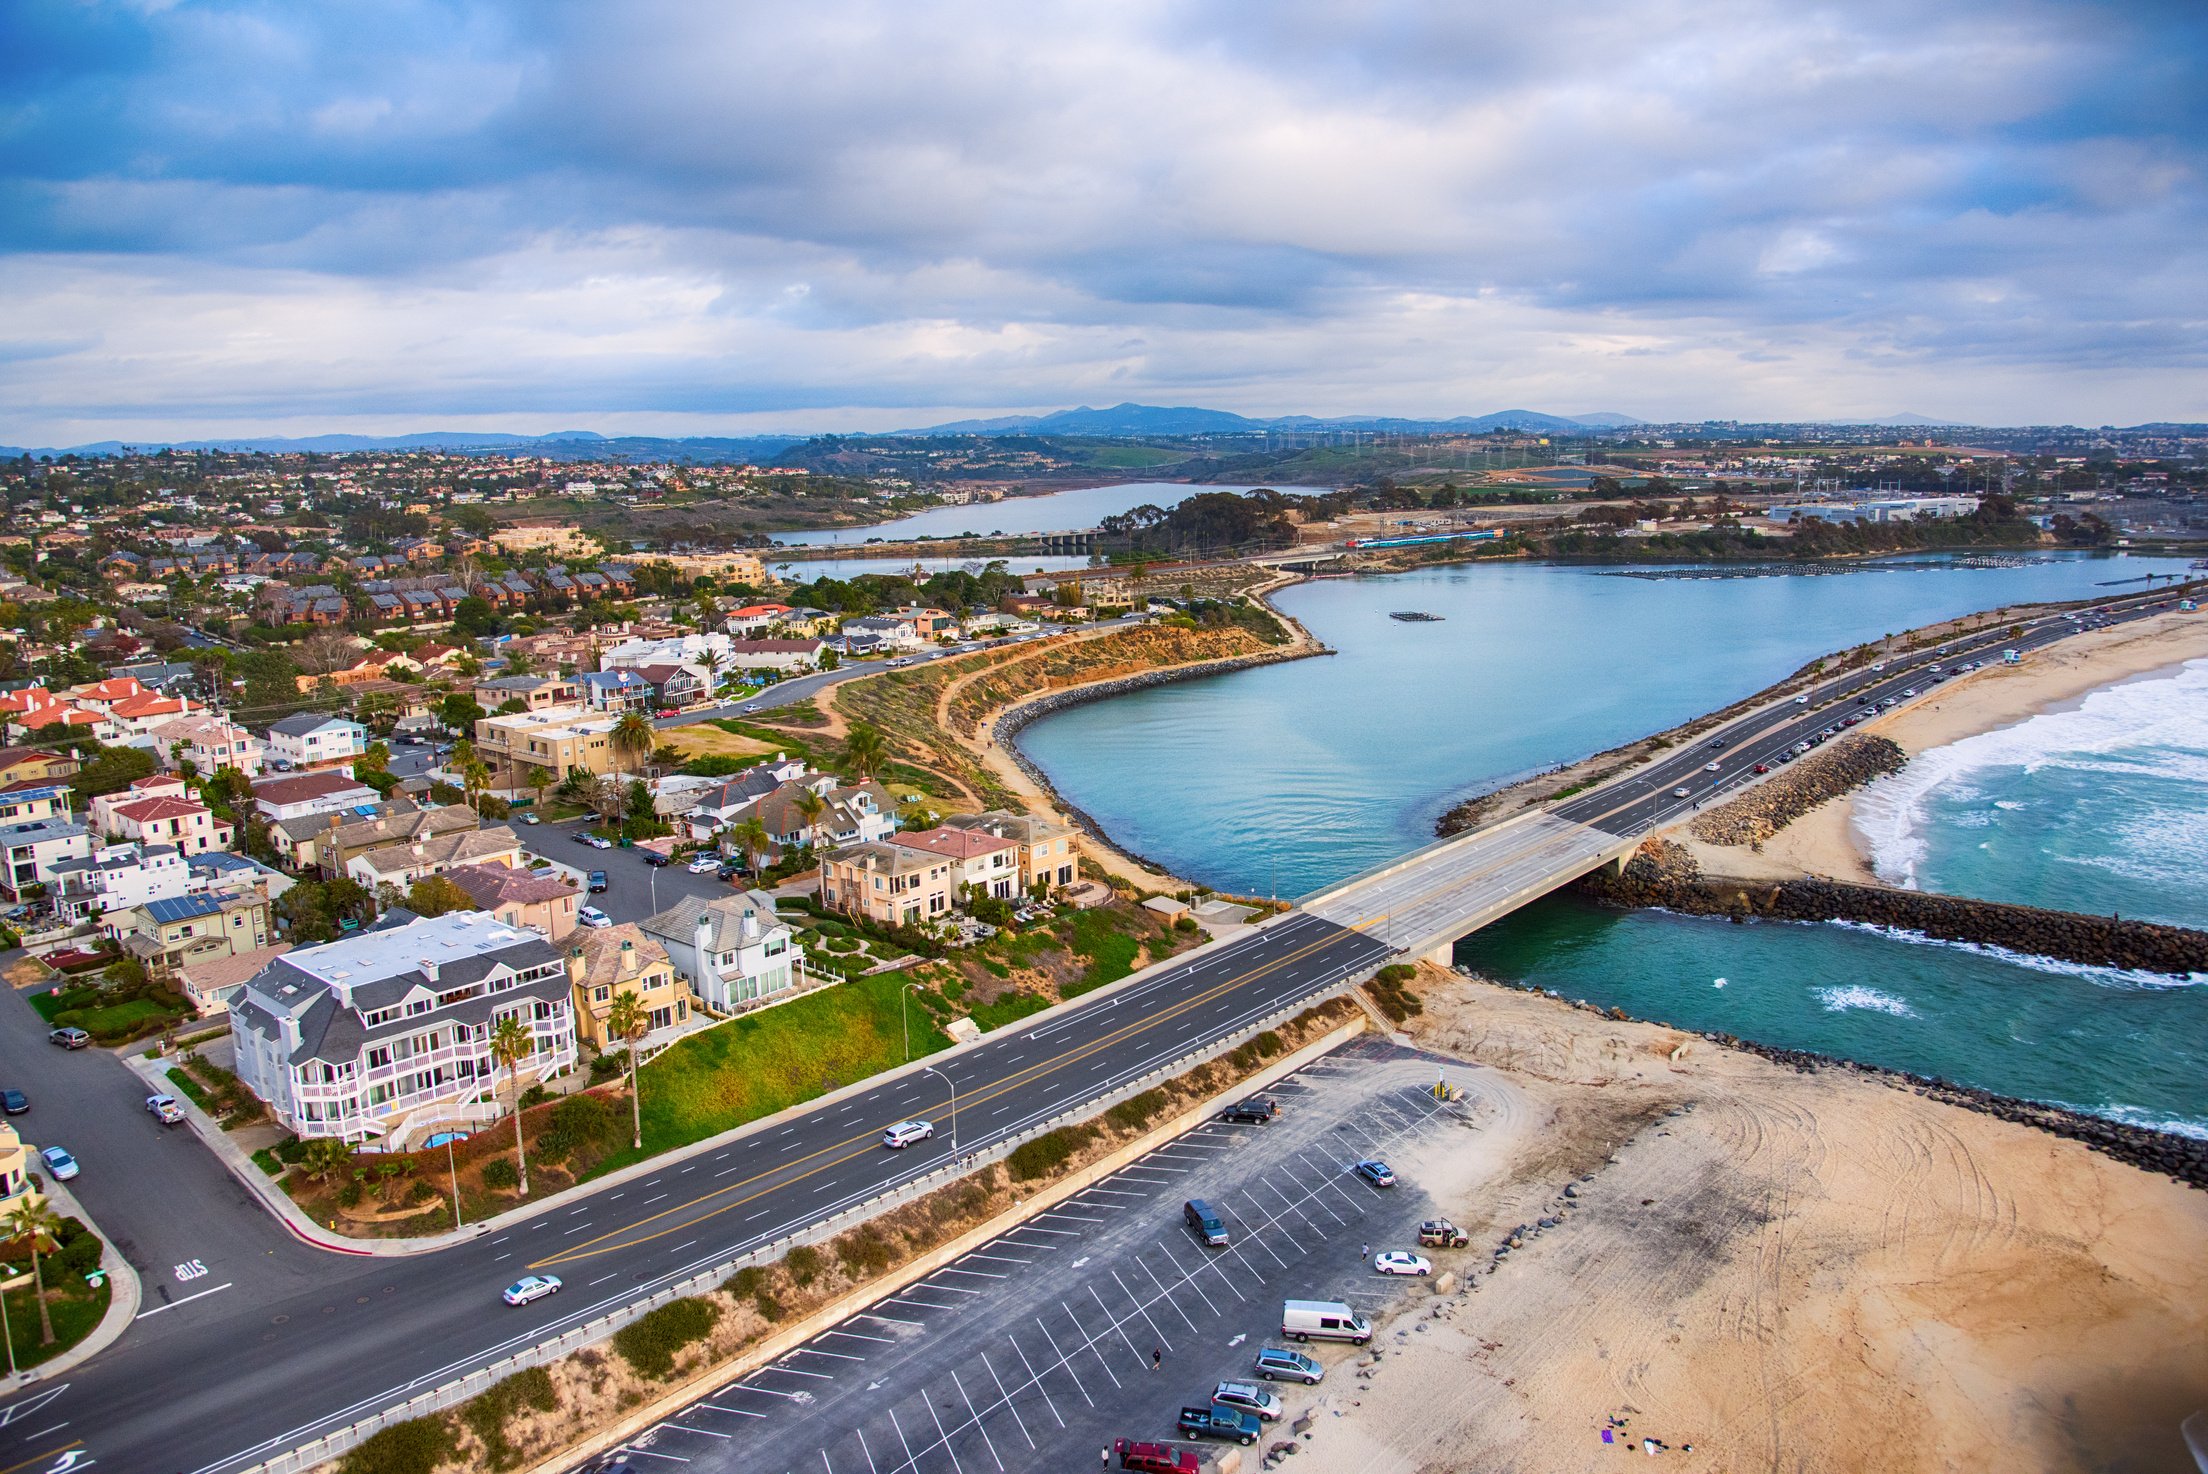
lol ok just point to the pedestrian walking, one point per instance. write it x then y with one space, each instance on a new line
1364 1250
1157 1357
1104 1457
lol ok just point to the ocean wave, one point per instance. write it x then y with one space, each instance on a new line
2116 977
1852 996
2133 1116
2152 728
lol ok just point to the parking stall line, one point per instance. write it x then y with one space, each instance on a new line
1004 1399
1137 1300
655 1454
1297 1206
943 1439
1206 1262
957 1289
740 1412
790 1371
816 1351
1251 1235
1190 1281
1035 1378
891 1320
999 1258
979 1273
1063 1233
1062 1213
978 1424
864 1448
923 1304
1067 1366
831 1468
764 1391
701 1432
861 1336
900 1427
1163 1295
1117 1192
1119 1325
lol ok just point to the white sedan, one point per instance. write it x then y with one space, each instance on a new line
532 1287
1709 767
705 864
1396 1261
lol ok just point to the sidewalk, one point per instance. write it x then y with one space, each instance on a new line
124 1294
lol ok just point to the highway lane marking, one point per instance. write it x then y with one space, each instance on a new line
44 1432
594 1284
40 1458
188 1299
864 1143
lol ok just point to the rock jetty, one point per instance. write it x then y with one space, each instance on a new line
1825 774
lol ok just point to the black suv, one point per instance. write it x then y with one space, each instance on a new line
597 881
1258 1110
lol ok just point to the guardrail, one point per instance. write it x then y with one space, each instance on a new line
338 1441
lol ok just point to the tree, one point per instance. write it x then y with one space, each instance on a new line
538 779
627 1021
752 838
434 895
325 1155
710 658
110 769
607 801
474 776
810 806
34 1224
865 750
459 713
474 616
633 735
511 1043
639 803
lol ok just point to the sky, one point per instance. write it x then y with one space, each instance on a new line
715 217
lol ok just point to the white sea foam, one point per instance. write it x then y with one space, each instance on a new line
2155 727
2114 977
2133 1116
1856 996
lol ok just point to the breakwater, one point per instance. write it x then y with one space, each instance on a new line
1662 873
1778 801
2183 1158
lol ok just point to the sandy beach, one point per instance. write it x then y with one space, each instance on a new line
1825 841
1784 1271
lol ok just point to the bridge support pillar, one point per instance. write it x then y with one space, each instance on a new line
1444 955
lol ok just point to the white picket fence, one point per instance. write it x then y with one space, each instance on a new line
335 1443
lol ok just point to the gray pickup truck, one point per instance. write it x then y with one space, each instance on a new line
1217 1421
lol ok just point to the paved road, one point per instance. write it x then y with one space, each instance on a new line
299 1342
1037 1345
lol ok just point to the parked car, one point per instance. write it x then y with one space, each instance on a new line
165 1109
1401 1261
1765 767
1441 1233
654 857
1376 1172
905 1133
1155 1458
530 819
1279 1364
531 1287
59 1162
1221 1422
15 1102
594 918
704 864
598 841
597 882
1258 1110
70 1038
668 711
1249 1398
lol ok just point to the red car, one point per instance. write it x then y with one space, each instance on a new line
1154 1458
668 711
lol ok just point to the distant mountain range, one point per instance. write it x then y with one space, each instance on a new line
1123 420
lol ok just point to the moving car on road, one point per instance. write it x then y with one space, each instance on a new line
1376 1172
14 1102
1678 793
164 1109
70 1038
1400 1261
59 1162
905 1133
531 1287
1279 1364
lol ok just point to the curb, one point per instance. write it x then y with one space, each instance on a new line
125 1295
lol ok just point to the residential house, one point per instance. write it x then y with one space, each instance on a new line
385 1036
674 686
888 883
559 740
616 691
987 862
728 800
547 901
20 763
166 819
30 799
928 623
535 693
138 715
1050 849
320 605
346 837
433 656
606 962
104 696
401 865
37 851
16 1182
207 743
858 814
325 792
787 657
167 934
733 951
210 983
118 878
872 634
310 740
369 668
754 620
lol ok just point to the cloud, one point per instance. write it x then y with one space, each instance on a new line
250 212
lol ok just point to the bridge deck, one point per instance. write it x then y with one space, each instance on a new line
1444 893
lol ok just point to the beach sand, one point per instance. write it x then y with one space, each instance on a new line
1825 842
1805 1272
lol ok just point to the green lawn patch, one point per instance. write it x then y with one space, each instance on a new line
1111 953
1011 1008
76 1310
58 1000
118 1020
764 1062
192 1088
267 1161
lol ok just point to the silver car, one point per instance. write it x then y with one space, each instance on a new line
1249 1397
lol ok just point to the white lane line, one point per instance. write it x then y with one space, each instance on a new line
1034 1379
795 1372
959 1289
923 1304
594 1284
651 1200
1064 1365
768 1391
1002 1258
188 1299
1004 1400
977 1273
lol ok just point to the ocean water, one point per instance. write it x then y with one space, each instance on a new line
2102 807
1057 511
806 570
2118 1044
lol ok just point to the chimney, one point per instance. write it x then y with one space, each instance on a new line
628 957
335 821
574 966
429 968
751 926
702 939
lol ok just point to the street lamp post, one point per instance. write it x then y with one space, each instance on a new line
452 1166
8 1335
904 1013
953 1088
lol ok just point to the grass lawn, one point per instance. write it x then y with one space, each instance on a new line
708 739
1011 1008
1096 935
118 1019
765 1062
76 1312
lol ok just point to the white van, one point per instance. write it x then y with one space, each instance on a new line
1329 1320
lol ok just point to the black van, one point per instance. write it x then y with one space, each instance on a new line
1205 1219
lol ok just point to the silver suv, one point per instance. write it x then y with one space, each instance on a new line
1248 1397
1279 1364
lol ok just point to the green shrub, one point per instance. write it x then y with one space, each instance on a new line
487 1416
348 1196
866 1250
803 1264
651 1344
291 1149
554 1146
79 1249
1047 1153
1184 923
1256 1051
770 1309
268 1162
1137 1111
535 1095
745 1282
585 1118
416 1446
1390 996
500 1172
604 1067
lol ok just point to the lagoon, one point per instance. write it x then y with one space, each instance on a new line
1056 511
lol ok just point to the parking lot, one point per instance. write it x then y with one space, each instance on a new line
1043 1341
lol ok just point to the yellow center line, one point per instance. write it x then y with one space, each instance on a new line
59 1448
627 1236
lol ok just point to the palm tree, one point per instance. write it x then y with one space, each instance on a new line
510 1045
34 1223
628 1022
538 779
633 734
865 750
710 658
752 838
810 806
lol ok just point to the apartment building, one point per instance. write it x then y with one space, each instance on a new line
118 878
888 883
560 740
309 740
384 1037
36 852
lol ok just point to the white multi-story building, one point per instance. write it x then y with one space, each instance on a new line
733 951
118 878
36 851
208 743
312 741
385 1036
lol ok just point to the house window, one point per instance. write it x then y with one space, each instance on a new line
601 993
